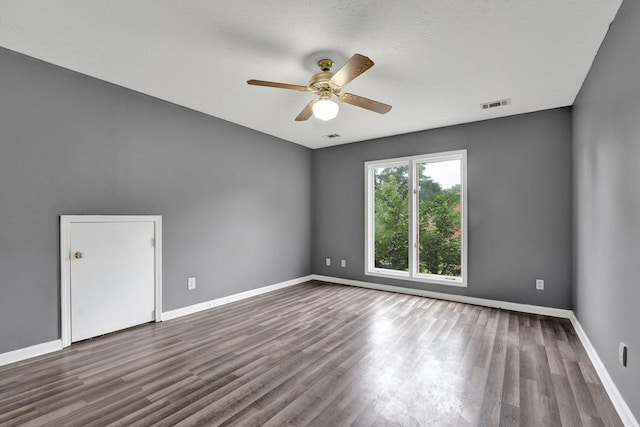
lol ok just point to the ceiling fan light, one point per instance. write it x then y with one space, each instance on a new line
325 109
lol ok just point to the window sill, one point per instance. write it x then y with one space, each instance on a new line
435 280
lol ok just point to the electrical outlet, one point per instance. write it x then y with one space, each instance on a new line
540 284
622 354
343 263
327 262
191 283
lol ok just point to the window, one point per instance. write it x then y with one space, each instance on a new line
416 219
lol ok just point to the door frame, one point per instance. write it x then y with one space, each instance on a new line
65 263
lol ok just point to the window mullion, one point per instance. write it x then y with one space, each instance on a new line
413 222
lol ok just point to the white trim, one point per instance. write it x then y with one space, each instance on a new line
65 270
185 311
614 394
514 306
29 352
65 281
157 228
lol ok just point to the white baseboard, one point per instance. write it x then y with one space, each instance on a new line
29 352
49 347
525 308
184 311
614 394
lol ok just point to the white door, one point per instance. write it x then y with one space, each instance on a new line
112 276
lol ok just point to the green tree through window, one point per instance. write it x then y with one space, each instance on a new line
392 218
439 228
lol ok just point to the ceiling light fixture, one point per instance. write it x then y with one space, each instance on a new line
327 84
324 108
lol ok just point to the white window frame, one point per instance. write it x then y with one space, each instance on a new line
413 274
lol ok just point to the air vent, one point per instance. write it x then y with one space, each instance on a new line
494 104
331 136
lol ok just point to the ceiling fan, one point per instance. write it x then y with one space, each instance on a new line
325 84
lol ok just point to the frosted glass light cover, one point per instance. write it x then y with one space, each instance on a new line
325 109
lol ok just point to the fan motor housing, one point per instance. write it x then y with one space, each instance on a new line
321 82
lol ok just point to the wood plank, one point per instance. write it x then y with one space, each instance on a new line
318 354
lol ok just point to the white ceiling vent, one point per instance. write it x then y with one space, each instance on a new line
331 136
494 104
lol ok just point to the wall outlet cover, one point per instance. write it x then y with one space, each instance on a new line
540 284
622 354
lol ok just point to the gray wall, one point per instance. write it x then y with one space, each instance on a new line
606 132
519 194
235 203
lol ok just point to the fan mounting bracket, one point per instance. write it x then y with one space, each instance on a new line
325 64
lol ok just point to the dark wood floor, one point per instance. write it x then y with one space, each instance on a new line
318 354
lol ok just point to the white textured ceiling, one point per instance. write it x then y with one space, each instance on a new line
435 61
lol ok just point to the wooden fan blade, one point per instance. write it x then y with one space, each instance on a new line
277 85
365 103
355 66
306 112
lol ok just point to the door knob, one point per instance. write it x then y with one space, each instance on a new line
78 255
